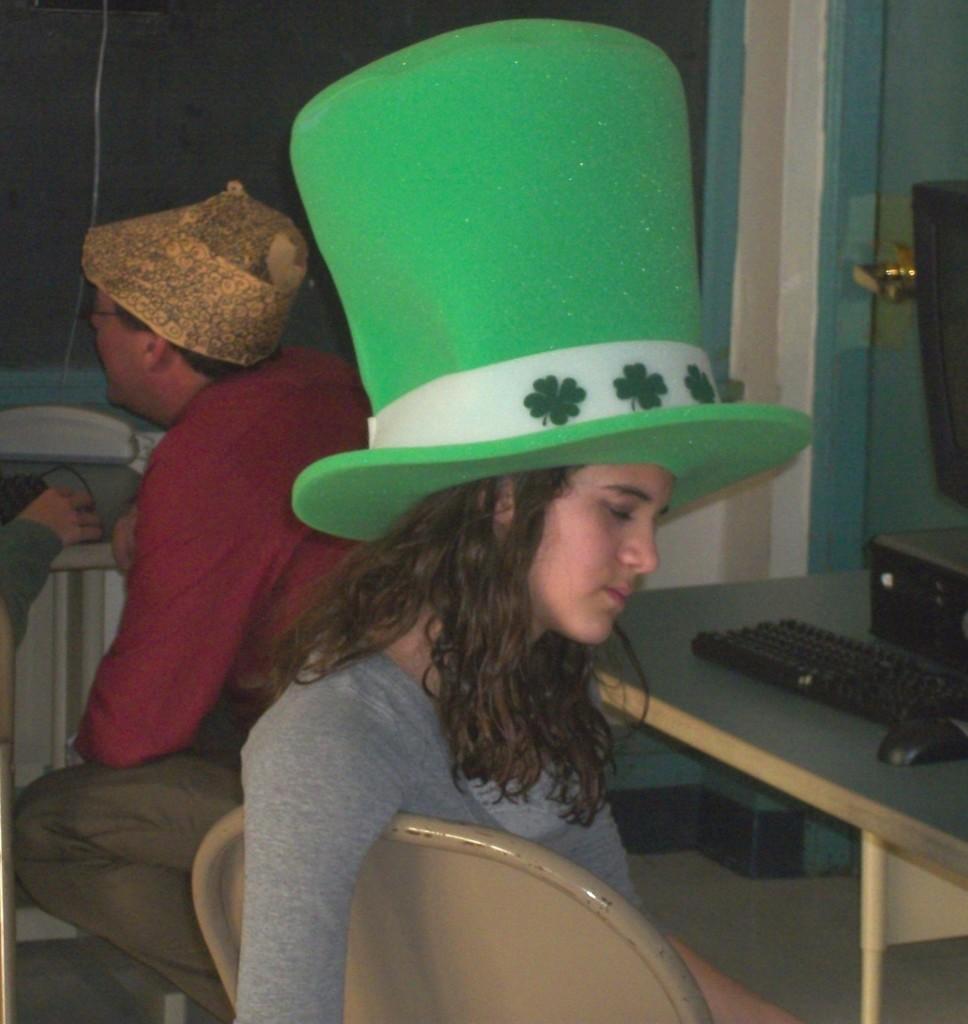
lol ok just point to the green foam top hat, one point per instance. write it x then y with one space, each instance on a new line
506 211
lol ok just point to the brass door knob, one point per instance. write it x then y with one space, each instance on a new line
892 281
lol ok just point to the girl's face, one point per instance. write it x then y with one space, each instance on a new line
599 537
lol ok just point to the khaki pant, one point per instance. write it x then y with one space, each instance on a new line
110 850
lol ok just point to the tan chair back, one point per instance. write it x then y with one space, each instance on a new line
457 923
218 877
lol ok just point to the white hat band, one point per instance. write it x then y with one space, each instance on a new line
548 389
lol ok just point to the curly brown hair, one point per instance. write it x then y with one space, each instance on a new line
511 708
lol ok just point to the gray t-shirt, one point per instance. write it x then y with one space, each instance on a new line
324 771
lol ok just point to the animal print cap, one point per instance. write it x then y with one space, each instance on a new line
217 277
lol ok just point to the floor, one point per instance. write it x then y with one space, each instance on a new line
795 941
86 981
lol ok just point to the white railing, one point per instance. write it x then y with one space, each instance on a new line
71 624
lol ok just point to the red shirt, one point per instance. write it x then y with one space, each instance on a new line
219 556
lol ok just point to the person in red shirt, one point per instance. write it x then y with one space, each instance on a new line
188 310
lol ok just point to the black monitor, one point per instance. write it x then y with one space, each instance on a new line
941 255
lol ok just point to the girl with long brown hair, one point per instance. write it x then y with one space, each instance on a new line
502 209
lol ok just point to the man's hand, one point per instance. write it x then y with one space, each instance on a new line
70 514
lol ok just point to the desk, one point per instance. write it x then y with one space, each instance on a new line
821 756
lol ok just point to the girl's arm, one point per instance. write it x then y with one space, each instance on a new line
729 1001
599 849
322 781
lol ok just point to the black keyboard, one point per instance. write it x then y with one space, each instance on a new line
865 679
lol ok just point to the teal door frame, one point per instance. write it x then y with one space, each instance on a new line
724 111
855 46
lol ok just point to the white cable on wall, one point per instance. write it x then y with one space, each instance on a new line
95 184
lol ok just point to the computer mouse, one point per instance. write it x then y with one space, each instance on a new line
924 741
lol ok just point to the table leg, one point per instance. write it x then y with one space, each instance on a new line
873 924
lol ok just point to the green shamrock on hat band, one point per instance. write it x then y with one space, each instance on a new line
545 390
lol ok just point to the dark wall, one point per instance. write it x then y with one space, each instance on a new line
200 95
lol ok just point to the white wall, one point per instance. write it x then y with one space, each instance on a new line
761 528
